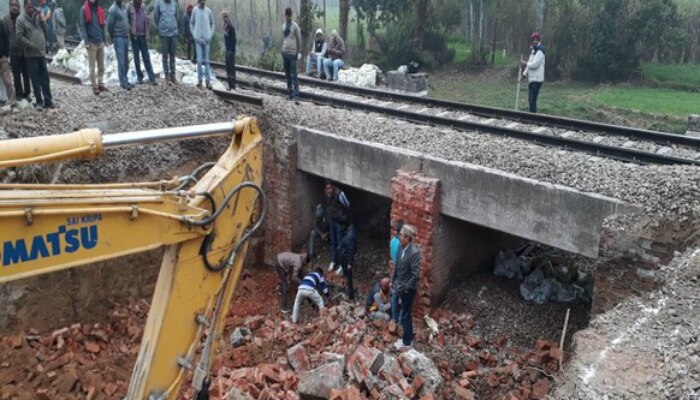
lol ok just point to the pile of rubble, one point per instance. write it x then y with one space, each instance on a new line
82 361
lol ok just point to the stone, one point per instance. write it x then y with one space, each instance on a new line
370 357
298 357
327 357
240 336
463 394
92 347
318 383
425 367
540 389
391 372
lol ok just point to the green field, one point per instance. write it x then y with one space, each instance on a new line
678 75
651 108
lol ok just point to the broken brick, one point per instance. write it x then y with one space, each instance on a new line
298 357
463 394
540 389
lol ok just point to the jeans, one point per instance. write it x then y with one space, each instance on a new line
406 317
203 57
231 69
20 75
283 281
305 292
39 75
533 91
335 236
189 44
96 55
314 59
347 273
290 72
336 64
121 48
140 47
395 306
6 76
168 44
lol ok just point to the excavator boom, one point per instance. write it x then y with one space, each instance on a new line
204 227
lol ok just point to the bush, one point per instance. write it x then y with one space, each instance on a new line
399 46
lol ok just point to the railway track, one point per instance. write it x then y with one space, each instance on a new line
616 142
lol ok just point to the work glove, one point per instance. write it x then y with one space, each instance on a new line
349 267
298 56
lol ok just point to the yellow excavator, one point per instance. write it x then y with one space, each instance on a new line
204 222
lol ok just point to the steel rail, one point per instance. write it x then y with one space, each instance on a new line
618 153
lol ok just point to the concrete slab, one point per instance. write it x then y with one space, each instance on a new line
554 215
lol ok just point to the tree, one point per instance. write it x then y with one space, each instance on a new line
344 15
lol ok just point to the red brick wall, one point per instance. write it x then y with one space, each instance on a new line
279 162
416 200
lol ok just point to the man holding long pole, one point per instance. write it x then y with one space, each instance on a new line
534 71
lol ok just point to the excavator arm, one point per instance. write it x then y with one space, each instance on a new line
204 226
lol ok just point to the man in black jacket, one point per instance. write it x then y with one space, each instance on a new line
337 206
405 281
20 73
230 42
5 71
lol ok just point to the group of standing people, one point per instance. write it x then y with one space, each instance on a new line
24 40
390 299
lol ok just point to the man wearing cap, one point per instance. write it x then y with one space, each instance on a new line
317 53
405 281
336 51
533 69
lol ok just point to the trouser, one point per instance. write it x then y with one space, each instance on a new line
189 44
305 292
283 278
203 58
121 48
140 48
6 76
395 306
39 75
231 69
61 39
533 91
96 55
290 72
347 273
335 232
168 44
406 317
379 315
20 73
312 59
336 64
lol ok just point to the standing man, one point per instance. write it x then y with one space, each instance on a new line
291 53
118 28
406 280
20 73
189 42
47 17
5 71
337 206
533 69
318 51
92 31
308 289
202 27
138 22
230 42
165 15
289 267
59 25
32 36
336 51
267 40
394 247
348 246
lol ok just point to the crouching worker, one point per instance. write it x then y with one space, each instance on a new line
379 302
289 270
309 289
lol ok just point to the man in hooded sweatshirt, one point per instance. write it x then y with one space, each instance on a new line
92 31
291 53
165 16
20 73
202 27
317 53
138 23
118 28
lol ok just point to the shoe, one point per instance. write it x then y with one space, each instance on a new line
285 310
209 86
5 109
331 266
399 344
24 103
96 91
130 86
102 88
139 82
199 85
153 83
339 272
296 100
50 106
173 79
126 87
39 107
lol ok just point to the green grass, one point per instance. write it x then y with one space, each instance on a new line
463 51
681 75
650 108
